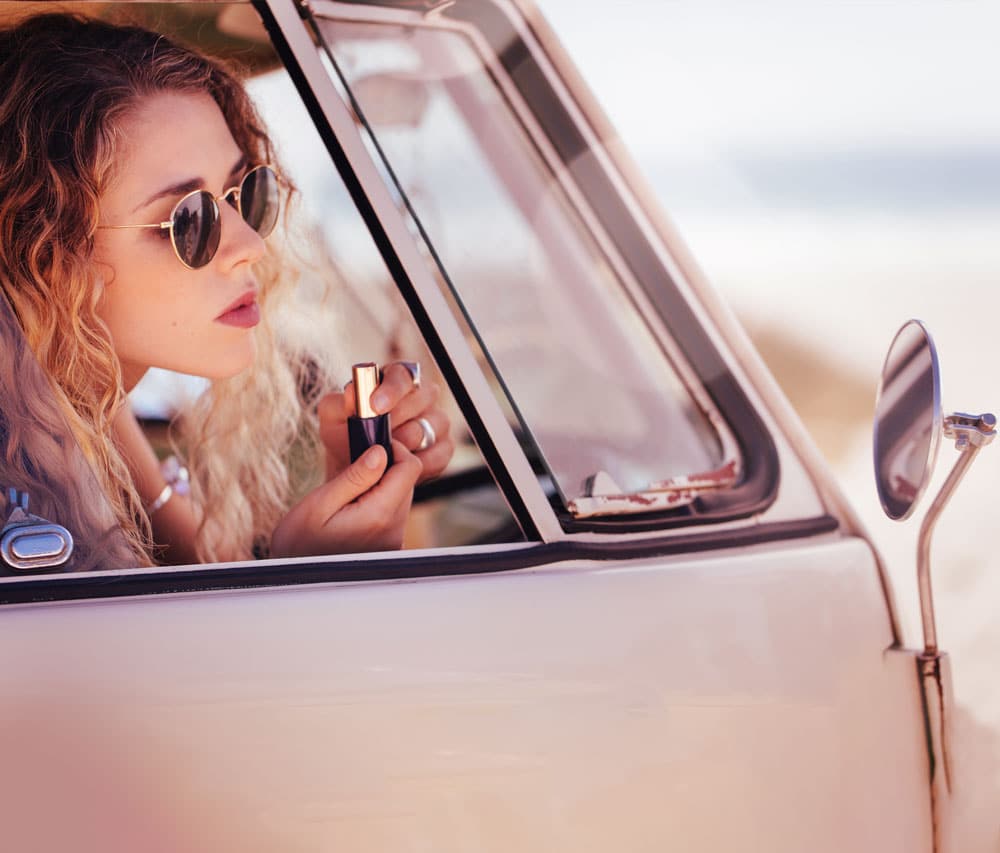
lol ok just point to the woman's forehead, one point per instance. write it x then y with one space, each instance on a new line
170 137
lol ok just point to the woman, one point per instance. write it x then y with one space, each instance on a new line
137 187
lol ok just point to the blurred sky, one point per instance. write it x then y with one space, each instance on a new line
908 74
835 168
819 157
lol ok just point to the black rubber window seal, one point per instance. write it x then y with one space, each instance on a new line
402 566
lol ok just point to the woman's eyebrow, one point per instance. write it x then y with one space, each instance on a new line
183 188
240 166
190 185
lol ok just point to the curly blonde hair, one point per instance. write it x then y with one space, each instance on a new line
66 85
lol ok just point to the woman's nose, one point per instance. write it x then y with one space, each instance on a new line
239 243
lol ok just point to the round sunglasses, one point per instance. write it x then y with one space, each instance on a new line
196 222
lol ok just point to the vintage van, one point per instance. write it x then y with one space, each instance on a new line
635 614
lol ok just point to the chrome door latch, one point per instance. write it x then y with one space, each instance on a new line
29 542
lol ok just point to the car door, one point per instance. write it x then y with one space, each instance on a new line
677 638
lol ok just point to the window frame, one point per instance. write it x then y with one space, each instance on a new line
664 302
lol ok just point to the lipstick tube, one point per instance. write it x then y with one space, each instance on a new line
367 427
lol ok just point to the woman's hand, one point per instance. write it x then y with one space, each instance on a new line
354 510
408 404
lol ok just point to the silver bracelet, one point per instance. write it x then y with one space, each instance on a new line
178 482
161 499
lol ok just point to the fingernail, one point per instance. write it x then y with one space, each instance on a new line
379 401
373 457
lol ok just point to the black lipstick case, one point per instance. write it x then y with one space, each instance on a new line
367 427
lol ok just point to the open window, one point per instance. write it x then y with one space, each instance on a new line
346 301
346 293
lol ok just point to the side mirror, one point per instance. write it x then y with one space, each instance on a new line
907 420
909 425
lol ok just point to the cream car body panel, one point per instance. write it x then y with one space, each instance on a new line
579 706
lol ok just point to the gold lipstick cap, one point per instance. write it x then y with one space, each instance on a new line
365 382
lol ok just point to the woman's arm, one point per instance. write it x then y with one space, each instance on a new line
174 523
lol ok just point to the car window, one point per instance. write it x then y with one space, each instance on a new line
607 403
345 308
348 304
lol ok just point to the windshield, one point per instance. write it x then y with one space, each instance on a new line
599 397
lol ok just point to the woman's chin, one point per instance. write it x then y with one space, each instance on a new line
234 361
226 366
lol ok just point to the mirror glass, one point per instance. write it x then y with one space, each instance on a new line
907 420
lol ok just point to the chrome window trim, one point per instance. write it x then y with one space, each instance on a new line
409 567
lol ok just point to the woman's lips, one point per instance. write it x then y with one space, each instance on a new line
243 313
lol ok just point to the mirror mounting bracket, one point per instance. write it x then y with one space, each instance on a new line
977 430
970 433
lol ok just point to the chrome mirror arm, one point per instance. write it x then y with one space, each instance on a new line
970 433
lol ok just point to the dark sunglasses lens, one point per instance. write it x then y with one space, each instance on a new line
259 200
196 229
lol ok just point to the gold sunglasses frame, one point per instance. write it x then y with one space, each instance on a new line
235 192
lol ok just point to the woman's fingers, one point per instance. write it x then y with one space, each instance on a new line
415 404
437 454
382 511
322 523
436 458
408 405
364 508
412 433
378 492
336 406
397 383
396 487
396 394
349 485
333 411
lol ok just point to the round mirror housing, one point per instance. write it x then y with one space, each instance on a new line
908 420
